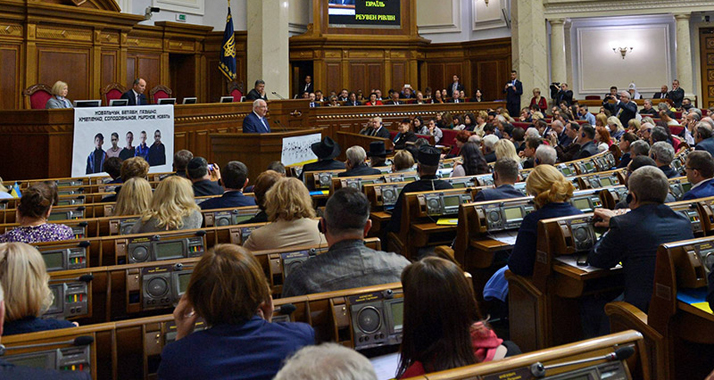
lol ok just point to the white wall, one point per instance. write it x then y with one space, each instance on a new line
443 21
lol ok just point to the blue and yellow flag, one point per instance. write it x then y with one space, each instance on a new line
15 192
227 65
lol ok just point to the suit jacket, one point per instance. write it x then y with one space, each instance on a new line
705 189
426 183
330 164
252 124
353 104
228 199
308 87
566 96
394 103
54 103
587 150
382 132
281 234
513 95
255 95
501 192
661 95
677 96
450 88
564 140
206 187
629 110
633 239
129 95
253 350
401 139
360 171
452 100
491 157
11 372
706 144
669 171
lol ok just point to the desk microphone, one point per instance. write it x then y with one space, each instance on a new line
281 125
84 278
287 309
278 95
82 340
538 369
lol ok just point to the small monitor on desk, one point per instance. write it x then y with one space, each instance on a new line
226 99
191 100
87 103
167 101
118 102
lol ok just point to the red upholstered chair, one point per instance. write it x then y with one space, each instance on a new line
705 112
676 129
592 97
235 90
159 92
521 124
112 91
37 95
449 138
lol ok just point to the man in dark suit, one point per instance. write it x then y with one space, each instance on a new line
428 163
455 87
136 96
308 86
633 237
356 164
626 107
677 94
704 138
587 146
394 99
456 98
379 130
662 153
181 160
157 151
256 122
313 102
700 171
205 179
235 178
326 151
11 371
663 94
564 95
505 175
513 91
258 92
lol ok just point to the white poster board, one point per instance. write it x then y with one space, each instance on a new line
297 151
146 131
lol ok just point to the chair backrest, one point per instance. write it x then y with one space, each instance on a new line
159 92
112 91
37 95
592 97
235 89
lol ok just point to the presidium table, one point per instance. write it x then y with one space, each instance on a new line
38 143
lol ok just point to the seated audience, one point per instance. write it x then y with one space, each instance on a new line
700 170
567 152
586 141
438 97
551 193
663 154
291 216
443 327
23 276
33 211
473 162
373 101
648 109
645 228
377 154
328 361
134 199
636 163
506 149
263 183
130 168
462 137
403 161
616 127
348 263
545 155
639 148
532 143
205 179
404 136
704 138
181 160
602 139
228 289
430 129
326 151
489 146
59 97
112 166
505 175
235 178
172 208
356 163
625 145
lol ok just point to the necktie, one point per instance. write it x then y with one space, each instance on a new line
312 105
138 102
262 120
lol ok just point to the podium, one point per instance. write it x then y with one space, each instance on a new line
255 150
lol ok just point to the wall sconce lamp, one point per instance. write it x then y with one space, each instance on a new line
622 50
486 1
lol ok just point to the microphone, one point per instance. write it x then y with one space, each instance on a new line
281 125
278 95
538 369
84 278
287 309
82 340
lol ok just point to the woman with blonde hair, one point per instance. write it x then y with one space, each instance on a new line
134 199
551 192
616 128
24 279
633 126
403 161
506 149
600 120
172 208
292 218
59 96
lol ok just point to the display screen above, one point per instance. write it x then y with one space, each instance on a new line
364 13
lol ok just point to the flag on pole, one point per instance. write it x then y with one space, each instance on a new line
227 64
15 192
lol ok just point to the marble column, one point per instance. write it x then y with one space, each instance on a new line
268 53
557 51
528 36
684 54
569 54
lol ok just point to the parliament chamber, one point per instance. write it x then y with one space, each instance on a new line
123 290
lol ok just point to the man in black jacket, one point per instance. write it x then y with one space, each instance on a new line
356 164
677 94
326 151
626 107
587 146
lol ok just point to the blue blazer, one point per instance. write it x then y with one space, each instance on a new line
501 192
229 199
253 350
252 124
10 371
704 190
706 144
359 171
633 239
129 95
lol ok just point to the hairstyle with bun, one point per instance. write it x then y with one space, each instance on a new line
548 185
36 201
